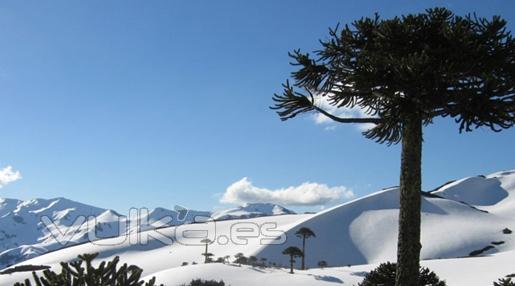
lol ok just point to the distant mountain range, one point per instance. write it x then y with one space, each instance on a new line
33 227
467 238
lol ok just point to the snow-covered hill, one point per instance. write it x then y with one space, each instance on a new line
480 271
33 227
23 233
468 217
458 218
250 211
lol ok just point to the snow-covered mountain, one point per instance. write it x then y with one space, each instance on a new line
467 239
251 210
33 227
23 233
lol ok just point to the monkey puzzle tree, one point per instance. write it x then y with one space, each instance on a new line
304 233
293 252
206 254
82 272
404 72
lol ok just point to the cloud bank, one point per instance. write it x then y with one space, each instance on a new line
305 194
8 175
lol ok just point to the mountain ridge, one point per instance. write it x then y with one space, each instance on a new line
467 223
26 232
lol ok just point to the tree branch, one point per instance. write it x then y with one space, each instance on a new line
347 120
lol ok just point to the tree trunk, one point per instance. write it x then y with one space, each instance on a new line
303 252
408 246
291 265
205 254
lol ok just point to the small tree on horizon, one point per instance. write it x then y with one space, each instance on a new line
304 233
240 258
206 254
322 264
208 257
263 261
200 282
252 260
402 73
293 252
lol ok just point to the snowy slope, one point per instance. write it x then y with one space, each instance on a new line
365 230
456 272
24 233
480 271
458 218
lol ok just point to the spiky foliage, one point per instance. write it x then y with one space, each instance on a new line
82 273
384 275
430 64
504 282
402 73
293 252
304 233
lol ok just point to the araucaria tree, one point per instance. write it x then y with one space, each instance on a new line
240 258
403 73
293 252
304 233
322 264
83 272
206 254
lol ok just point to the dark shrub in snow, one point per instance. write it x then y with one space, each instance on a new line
199 282
504 282
384 275
322 264
82 273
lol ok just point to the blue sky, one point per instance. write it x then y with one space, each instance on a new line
157 103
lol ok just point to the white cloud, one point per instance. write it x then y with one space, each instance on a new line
8 175
342 112
306 194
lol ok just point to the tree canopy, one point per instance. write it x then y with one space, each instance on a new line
419 65
402 73
305 232
292 251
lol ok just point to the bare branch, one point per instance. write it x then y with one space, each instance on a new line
347 120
